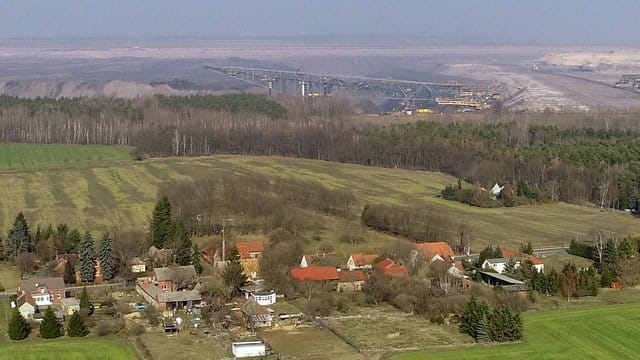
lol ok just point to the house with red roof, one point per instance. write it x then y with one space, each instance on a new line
351 280
250 253
315 273
434 251
389 267
361 261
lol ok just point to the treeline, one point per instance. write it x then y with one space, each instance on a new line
417 224
257 204
617 261
573 164
32 251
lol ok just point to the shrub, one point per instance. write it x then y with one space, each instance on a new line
137 330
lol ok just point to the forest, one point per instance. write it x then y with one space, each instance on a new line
582 158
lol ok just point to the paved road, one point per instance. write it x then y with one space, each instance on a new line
536 252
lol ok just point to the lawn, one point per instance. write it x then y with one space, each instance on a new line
30 156
9 276
185 346
398 333
66 348
604 332
308 342
121 194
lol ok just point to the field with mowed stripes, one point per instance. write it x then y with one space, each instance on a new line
116 193
604 332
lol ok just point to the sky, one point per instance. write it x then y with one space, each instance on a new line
596 22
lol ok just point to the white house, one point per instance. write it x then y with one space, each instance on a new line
499 265
248 349
26 305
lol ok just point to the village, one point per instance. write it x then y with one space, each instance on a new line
177 302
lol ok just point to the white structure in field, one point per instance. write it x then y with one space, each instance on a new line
264 298
248 349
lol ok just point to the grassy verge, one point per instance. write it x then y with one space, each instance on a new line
605 332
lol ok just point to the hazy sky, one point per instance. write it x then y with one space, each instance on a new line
543 21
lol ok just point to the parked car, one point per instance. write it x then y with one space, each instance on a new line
140 306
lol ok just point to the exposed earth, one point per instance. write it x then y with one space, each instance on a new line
527 77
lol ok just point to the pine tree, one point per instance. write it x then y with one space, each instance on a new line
69 273
474 313
87 258
105 254
481 331
73 241
50 328
84 299
76 327
182 245
19 237
17 327
161 225
197 264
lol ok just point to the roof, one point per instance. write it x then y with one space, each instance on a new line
164 297
25 298
395 270
35 284
168 273
136 261
502 277
67 257
70 302
499 260
506 252
383 264
390 268
349 276
362 259
246 248
436 248
315 273
252 308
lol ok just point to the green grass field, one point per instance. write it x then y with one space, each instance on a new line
121 194
29 156
66 348
9 276
605 332
63 348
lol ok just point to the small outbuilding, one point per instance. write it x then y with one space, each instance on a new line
247 349
69 306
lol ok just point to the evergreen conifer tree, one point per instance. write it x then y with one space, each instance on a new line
84 299
182 245
17 327
197 264
87 258
161 224
105 254
69 275
19 237
50 328
77 327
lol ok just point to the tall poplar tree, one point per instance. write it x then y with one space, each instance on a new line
87 258
105 254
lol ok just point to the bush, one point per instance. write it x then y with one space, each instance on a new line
318 307
405 302
105 328
1 288
137 330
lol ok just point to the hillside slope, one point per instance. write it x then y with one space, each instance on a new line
122 195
